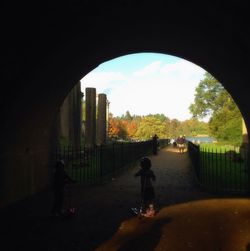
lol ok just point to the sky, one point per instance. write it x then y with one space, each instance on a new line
147 83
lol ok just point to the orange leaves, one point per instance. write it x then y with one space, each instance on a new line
121 128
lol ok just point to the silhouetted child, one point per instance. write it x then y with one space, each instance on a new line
147 189
61 178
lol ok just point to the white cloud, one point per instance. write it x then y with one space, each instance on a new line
156 88
149 69
182 69
151 97
102 80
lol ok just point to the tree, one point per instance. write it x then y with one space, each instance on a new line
144 127
131 129
226 124
194 127
213 100
209 97
174 128
113 128
161 117
127 116
150 125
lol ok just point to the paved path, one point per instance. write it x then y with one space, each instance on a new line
189 219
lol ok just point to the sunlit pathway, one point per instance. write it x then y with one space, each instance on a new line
175 178
188 219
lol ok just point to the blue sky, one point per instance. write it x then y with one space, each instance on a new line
146 83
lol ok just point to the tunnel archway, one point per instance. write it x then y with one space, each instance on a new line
63 50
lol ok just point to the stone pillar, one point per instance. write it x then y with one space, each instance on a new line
90 130
107 119
102 119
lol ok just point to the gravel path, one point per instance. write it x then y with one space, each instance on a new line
103 208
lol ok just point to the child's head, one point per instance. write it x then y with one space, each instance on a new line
145 162
151 206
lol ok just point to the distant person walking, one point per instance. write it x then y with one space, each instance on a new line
155 144
147 189
173 142
181 141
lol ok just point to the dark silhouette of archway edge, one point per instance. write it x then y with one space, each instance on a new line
44 57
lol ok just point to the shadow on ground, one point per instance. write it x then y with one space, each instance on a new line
214 224
150 239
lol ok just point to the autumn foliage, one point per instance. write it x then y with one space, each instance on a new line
136 127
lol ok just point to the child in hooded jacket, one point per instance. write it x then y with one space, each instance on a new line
147 176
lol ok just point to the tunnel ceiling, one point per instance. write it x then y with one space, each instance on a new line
46 49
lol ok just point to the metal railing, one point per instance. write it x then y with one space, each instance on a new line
194 154
222 169
93 165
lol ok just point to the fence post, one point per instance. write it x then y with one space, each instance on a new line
198 166
248 169
113 158
101 165
194 154
122 155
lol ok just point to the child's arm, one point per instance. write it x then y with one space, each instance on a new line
152 175
138 174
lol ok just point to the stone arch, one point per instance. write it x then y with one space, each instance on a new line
45 56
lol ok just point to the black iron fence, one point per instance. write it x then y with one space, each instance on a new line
221 168
93 165
194 154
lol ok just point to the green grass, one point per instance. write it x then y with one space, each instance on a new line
87 172
216 147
